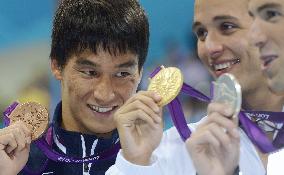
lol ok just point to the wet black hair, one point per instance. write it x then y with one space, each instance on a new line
117 26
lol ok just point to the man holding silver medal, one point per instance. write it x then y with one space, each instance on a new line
217 146
97 53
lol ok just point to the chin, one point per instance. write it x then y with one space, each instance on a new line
277 86
103 128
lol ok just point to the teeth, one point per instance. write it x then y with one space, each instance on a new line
222 66
101 109
225 65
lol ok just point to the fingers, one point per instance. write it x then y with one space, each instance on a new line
8 142
226 124
223 109
219 113
140 106
139 116
19 124
217 129
14 137
213 137
153 98
221 136
202 138
24 128
20 138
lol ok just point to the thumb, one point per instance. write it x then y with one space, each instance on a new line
4 156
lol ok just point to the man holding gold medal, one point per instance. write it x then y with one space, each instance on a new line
217 146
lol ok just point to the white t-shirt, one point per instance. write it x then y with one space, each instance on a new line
275 164
171 158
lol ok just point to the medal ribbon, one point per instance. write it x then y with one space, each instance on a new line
256 135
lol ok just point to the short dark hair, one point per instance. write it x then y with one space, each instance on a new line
117 26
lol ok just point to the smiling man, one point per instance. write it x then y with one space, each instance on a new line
267 34
97 52
221 27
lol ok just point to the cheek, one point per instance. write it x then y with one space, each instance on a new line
78 87
241 48
128 89
278 37
201 52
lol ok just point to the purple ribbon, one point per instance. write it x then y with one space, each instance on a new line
256 135
57 157
277 117
179 119
44 144
194 93
8 111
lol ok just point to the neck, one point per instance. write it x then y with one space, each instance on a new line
70 124
67 127
262 99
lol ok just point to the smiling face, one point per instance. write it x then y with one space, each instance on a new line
221 27
93 87
267 33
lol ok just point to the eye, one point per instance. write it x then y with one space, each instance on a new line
228 27
122 74
89 73
201 34
271 14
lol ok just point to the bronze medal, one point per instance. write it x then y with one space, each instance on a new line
34 115
167 83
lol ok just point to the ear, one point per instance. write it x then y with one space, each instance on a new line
56 69
140 75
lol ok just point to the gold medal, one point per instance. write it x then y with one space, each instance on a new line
167 83
34 115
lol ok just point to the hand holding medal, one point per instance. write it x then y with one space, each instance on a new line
34 115
25 122
169 83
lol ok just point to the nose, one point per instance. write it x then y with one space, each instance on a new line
214 45
256 35
103 90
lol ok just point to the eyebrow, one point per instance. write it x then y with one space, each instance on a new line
85 62
224 17
127 64
216 18
268 5
195 24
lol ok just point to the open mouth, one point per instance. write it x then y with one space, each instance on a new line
224 66
267 60
102 110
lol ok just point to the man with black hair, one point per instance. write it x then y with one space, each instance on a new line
97 53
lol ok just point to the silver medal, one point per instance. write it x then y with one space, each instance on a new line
227 90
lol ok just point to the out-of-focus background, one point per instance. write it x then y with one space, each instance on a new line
25 30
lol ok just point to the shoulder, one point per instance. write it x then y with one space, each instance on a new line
250 162
171 135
